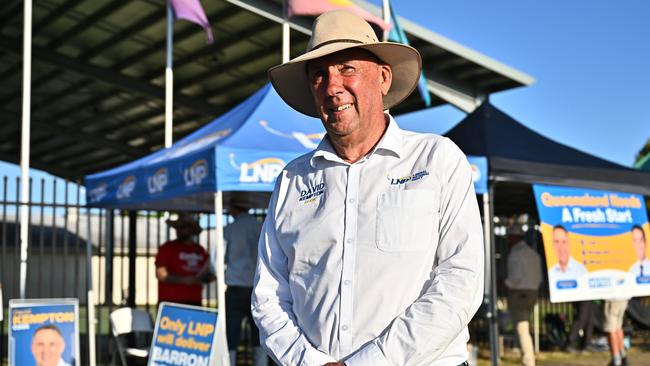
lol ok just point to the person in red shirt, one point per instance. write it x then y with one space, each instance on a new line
182 265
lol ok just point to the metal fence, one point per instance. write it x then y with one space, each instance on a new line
61 227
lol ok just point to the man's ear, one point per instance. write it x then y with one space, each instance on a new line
385 78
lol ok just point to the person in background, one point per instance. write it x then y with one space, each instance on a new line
523 280
372 249
614 314
242 236
182 265
640 268
585 320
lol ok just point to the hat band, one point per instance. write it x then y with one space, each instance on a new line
335 41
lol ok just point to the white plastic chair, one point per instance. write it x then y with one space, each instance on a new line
129 324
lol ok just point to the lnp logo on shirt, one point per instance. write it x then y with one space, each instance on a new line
125 188
410 178
310 194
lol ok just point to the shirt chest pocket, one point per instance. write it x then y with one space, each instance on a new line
407 220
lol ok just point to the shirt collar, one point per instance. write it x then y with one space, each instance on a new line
390 142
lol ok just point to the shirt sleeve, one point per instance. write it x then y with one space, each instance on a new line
452 297
272 303
162 258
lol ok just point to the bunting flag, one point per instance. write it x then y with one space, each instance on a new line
397 34
318 7
191 10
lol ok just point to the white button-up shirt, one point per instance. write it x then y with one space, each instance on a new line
636 268
524 268
574 270
379 262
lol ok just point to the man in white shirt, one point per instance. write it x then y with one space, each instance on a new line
567 271
524 278
372 251
48 346
640 268
242 236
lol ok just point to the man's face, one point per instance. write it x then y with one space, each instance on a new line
348 88
638 239
47 347
561 245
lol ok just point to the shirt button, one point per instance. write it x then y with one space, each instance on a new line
351 200
345 328
346 282
349 241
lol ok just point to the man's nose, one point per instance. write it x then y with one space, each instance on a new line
334 83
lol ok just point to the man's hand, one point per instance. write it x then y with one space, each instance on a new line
340 363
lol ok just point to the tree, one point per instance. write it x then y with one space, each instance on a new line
645 150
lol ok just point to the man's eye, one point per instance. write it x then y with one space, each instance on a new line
347 69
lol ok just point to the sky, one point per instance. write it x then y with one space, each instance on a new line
590 60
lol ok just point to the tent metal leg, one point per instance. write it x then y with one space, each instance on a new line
491 275
221 283
90 298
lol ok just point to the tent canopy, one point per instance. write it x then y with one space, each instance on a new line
518 157
243 150
518 154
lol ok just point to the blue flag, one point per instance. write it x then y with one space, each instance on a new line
397 34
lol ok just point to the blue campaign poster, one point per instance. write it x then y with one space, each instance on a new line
595 243
184 335
44 332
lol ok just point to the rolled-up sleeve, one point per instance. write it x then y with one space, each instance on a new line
272 302
453 294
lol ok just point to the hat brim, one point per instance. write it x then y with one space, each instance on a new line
292 84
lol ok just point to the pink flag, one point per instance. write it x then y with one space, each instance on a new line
318 7
192 11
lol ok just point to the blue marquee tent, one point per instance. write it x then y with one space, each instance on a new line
243 150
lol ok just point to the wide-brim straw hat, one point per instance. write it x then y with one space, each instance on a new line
336 31
185 220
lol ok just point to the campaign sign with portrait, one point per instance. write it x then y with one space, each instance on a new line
43 332
595 243
184 335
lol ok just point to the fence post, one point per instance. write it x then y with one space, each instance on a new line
133 223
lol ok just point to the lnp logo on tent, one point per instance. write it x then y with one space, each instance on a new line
125 188
308 141
157 182
98 193
195 174
260 171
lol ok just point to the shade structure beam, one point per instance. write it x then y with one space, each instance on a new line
109 77
76 133
460 95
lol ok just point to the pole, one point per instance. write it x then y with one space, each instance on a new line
386 16
90 299
133 257
491 253
286 30
221 282
169 80
24 145
536 326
